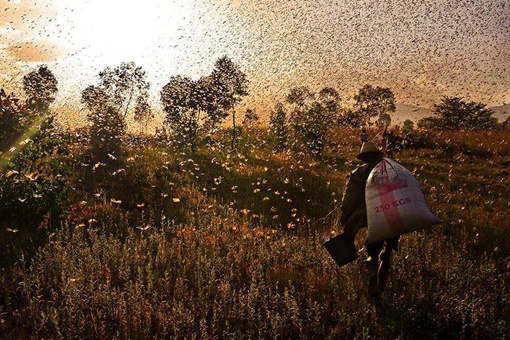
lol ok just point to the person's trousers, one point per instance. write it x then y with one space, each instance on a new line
379 262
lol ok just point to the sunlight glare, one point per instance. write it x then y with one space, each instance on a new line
128 30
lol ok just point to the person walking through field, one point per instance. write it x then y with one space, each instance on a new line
363 136
354 217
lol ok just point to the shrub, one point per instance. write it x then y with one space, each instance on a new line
33 187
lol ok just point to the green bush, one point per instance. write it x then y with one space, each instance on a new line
34 188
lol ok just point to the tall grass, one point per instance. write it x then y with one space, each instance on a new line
218 264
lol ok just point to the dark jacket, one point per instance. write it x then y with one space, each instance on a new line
353 209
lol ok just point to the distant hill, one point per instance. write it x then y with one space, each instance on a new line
415 113
501 112
406 111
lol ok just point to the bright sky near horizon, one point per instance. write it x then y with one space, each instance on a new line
420 49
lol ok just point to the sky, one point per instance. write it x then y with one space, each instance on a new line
422 50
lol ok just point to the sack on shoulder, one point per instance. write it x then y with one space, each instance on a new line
395 203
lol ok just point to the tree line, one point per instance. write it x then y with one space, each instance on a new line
194 109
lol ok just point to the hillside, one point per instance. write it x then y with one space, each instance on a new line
415 113
501 112
406 111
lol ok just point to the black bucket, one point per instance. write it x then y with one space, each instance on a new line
341 249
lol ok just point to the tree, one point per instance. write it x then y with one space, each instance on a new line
96 98
179 99
330 99
374 101
122 84
312 115
383 120
109 103
108 126
143 112
300 96
231 85
455 113
311 127
278 125
41 86
250 117
352 118
208 101
408 126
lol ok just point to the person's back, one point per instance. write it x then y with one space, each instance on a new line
354 217
353 210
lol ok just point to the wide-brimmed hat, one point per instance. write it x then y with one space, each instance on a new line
368 147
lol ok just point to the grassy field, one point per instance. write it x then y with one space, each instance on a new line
220 245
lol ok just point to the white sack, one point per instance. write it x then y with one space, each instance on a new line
395 203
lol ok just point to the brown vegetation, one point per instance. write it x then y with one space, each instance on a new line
229 245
